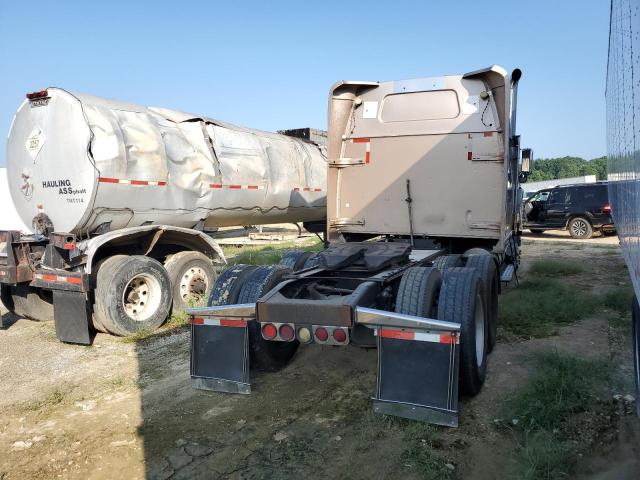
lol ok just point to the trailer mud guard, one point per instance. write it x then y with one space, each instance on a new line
418 363
220 347
71 314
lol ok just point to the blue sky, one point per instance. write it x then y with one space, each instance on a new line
269 65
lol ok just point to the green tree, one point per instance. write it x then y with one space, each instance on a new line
564 167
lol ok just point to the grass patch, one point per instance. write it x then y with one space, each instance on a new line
562 386
540 305
176 321
619 299
554 268
57 396
543 456
269 254
546 415
419 454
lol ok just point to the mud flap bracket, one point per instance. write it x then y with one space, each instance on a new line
418 362
220 347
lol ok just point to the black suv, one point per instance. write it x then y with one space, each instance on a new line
582 209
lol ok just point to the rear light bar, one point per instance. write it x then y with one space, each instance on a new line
35 95
331 335
281 332
287 332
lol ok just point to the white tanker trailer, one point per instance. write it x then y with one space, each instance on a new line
118 196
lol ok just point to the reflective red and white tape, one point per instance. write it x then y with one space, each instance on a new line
219 322
367 150
448 338
46 277
219 186
237 187
142 183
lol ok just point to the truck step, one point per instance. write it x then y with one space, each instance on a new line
507 274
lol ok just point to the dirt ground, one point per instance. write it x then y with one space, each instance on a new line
127 410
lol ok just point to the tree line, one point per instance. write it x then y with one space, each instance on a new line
553 168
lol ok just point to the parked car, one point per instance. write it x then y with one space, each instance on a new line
582 209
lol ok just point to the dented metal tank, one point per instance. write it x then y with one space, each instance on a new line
83 164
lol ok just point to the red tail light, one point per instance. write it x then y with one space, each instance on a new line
34 95
269 331
321 334
287 332
606 208
339 335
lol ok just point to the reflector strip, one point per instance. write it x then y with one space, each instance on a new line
219 322
237 187
144 183
488 134
307 189
367 151
46 277
448 338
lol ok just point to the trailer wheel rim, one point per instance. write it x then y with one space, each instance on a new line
479 321
142 297
579 228
194 283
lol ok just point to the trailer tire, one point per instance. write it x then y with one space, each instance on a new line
5 297
192 277
447 261
295 259
28 302
488 271
461 301
131 285
419 291
265 355
228 285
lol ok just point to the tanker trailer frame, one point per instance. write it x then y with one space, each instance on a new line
119 195
424 227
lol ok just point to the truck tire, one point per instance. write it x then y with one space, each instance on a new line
5 297
461 301
132 293
314 260
447 261
486 267
28 302
228 285
295 259
192 276
265 355
419 291
580 228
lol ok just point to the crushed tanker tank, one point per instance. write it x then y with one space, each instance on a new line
83 164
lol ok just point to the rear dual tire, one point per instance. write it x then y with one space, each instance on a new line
462 301
457 296
132 294
246 284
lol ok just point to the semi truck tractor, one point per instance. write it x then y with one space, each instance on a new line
423 222
119 196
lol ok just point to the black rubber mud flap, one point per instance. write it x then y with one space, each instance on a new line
71 314
418 375
220 355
